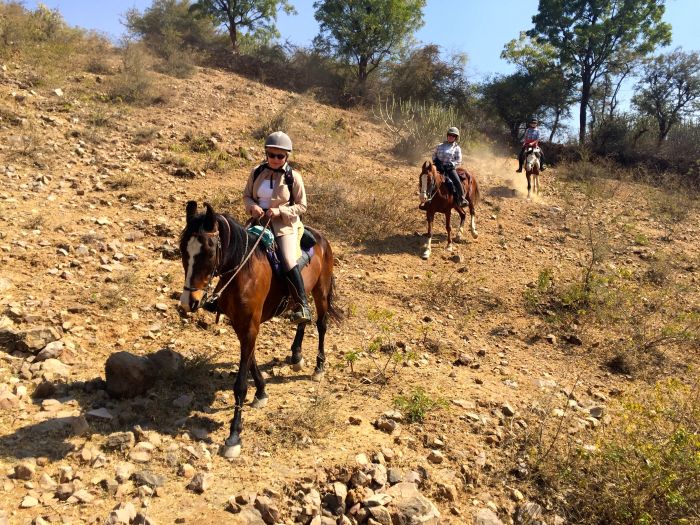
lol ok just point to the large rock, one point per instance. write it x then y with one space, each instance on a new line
130 375
247 516
486 517
410 507
31 340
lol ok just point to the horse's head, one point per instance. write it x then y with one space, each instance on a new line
532 157
427 176
200 248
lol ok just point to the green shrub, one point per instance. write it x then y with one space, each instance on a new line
417 404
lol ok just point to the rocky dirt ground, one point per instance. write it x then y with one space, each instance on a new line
91 212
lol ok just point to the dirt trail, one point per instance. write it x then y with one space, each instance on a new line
88 230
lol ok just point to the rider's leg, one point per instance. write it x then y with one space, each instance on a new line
521 159
288 246
459 189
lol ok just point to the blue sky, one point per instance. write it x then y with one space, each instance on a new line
477 28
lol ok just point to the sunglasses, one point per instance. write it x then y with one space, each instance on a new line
452 135
278 156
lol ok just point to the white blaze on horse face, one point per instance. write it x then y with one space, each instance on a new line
423 187
194 247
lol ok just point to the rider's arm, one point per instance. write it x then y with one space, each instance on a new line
457 160
248 199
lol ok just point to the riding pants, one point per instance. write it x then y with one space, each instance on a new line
288 247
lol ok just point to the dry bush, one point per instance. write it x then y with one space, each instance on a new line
144 135
341 206
642 467
135 84
312 420
280 121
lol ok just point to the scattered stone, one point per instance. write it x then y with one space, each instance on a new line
269 512
436 457
507 410
487 517
410 506
25 471
120 441
123 514
146 477
201 482
28 502
100 413
529 513
597 412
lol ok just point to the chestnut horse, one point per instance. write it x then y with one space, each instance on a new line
216 245
436 197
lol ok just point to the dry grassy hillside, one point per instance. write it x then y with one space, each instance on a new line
506 357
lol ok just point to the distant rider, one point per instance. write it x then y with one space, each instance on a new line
531 136
447 157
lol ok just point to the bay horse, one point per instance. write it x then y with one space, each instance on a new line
436 197
212 245
532 167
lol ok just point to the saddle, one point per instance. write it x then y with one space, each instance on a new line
307 241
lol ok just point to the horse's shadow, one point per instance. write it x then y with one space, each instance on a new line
161 409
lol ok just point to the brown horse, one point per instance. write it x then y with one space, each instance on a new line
436 197
212 244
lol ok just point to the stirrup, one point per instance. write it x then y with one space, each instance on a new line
301 316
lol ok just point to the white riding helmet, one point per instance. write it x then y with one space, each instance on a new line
279 140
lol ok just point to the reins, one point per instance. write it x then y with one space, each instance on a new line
215 297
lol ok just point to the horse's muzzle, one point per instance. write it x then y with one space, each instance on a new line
191 301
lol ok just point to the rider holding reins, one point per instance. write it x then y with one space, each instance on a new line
530 138
447 157
276 193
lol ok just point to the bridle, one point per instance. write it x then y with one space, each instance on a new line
216 271
430 181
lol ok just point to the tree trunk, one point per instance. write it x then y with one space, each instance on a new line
233 35
585 98
555 125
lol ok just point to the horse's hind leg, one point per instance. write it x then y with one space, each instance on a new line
472 217
448 227
260 399
297 360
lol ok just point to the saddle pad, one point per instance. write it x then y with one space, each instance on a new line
268 238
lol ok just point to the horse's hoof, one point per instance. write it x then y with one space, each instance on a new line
318 375
231 448
297 367
259 402
475 234
425 255
450 248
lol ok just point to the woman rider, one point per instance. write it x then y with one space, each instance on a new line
267 196
447 157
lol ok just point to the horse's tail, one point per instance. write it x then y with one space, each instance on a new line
333 311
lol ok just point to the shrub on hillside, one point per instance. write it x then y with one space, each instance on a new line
134 83
642 468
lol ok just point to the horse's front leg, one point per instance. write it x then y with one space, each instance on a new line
321 302
527 174
232 445
537 182
472 217
427 248
448 227
462 218
297 360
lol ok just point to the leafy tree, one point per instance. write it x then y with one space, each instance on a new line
168 26
251 15
590 34
366 31
669 89
424 76
511 97
550 85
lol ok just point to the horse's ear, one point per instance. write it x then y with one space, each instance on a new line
190 210
426 165
210 218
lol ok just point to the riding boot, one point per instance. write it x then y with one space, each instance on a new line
459 189
302 314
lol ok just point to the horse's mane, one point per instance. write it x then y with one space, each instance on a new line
234 248
430 168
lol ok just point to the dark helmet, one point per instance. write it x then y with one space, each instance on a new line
531 119
279 140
